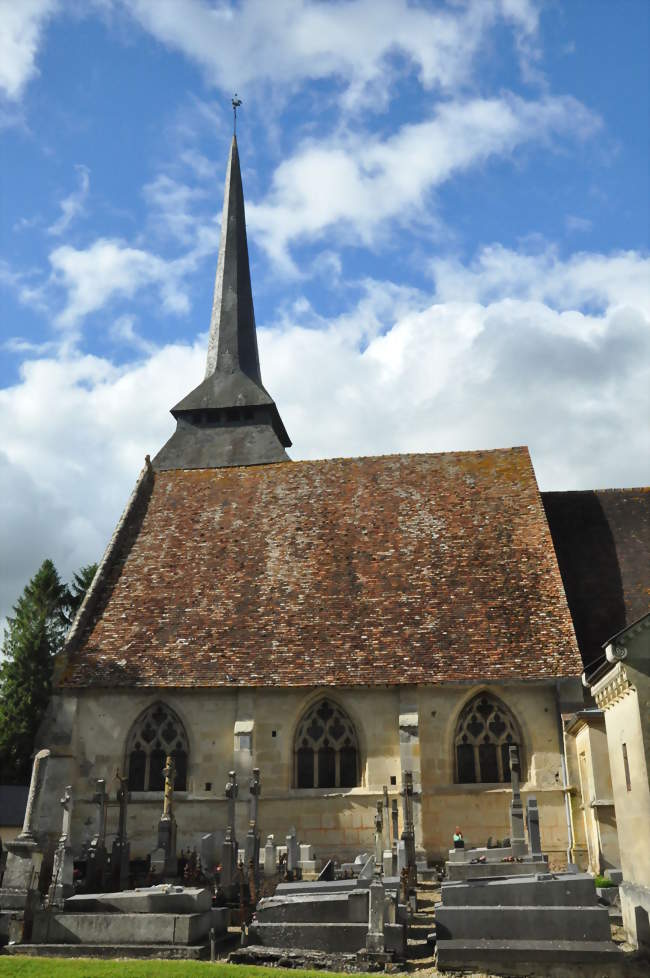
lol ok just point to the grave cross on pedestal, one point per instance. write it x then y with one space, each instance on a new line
386 818
408 831
252 837
97 849
63 868
121 849
379 838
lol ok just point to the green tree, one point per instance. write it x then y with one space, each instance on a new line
34 635
81 581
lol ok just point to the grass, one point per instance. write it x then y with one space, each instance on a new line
601 881
15 967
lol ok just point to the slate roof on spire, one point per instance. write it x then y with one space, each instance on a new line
230 418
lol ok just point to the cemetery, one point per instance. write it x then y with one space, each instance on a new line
501 909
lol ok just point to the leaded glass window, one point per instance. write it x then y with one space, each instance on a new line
326 754
156 733
486 729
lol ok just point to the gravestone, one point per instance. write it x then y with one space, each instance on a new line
164 860
532 822
252 850
375 937
270 858
517 836
230 849
61 885
386 818
24 854
292 851
379 838
408 831
96 863
121 849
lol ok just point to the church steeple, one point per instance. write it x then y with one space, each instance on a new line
230 418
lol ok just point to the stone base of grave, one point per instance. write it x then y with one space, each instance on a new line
461 872
164 898
165 951
107 929
523 921
321 918
282 957
527 957
328 937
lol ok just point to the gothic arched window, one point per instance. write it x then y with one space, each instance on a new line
486 729
156 733
325 750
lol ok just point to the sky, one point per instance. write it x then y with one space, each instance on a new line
447 210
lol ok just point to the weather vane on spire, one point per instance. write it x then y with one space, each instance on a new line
236 102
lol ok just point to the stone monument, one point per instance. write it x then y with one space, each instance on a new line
532 822
24 855
96 863
408 831
164 860
517 836
375 938
293 854
229 847
253 835
379 839
62 886
121 850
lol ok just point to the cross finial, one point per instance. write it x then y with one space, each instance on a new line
236 102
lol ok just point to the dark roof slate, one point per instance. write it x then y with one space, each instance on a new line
358 571
602 541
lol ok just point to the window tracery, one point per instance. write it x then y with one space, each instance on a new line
156 733
485 731
326 753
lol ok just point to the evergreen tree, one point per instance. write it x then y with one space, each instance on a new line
81 581
34 635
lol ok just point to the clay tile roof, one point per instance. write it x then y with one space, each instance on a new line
357 571
602 541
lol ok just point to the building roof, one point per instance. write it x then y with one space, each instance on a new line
602 541
358 571
13 802
230 419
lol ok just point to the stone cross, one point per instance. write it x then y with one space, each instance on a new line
96 864
232 790
252 837
24 855
532 821
408 831
122 798
61 886
379 838
121 850
386 819
169 771
255 789
517 837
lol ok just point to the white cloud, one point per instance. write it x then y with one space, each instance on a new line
255 43
73 205
109 268
21 30
358 182
513 361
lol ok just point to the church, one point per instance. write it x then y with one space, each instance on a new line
333 623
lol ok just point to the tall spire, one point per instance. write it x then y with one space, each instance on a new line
230 418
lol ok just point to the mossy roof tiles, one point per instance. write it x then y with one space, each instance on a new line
357 571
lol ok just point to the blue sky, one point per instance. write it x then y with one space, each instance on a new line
448 223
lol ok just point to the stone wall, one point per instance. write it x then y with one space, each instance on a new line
334 821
